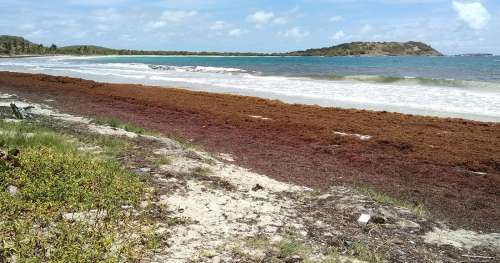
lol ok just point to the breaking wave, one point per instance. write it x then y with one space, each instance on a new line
197 69
409 80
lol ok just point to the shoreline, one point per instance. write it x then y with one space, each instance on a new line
442 97
415 158
25 56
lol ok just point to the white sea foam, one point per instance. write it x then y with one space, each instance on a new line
413 97
197 69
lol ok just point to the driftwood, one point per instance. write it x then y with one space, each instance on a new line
21 113
9 159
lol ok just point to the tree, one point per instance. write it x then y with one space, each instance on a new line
53 48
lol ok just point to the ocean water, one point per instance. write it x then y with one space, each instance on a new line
465 87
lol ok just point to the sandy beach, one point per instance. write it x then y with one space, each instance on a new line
451 165
250 131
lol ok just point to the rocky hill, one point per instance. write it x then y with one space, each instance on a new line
372 49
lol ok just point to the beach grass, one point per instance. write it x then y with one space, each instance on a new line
117 123
418 208
292 246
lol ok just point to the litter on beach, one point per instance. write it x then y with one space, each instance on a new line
364 219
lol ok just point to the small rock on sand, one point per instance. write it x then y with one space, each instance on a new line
363 219
12 190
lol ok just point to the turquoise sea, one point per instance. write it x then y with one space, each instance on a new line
465 87
456 68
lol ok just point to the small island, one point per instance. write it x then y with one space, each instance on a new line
18 46
410 48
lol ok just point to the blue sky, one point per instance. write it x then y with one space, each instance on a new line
452 26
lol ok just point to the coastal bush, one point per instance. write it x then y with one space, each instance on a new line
66 180
62 205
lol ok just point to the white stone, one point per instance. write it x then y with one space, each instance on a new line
363 219
87 217
12 190
359 136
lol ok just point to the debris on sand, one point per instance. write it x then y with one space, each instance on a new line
21 113
258 187
359 136
259 117
364 219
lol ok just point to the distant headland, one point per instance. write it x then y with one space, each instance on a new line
410 48
18 46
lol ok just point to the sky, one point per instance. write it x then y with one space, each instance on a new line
451 26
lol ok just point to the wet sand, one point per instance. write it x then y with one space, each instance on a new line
451 165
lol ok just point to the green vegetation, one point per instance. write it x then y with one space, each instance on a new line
163 160
418 208
200 171
372 49
68 205
24 135
12 45
111 146
286 248
361 252
292 246
117 123
85 50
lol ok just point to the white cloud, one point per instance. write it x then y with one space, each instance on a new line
338 36
474 14
218 25
280 20
169 17
177 16
295 32
336 18
221 27
235 32
155 24
260 18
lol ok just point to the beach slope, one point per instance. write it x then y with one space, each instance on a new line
451 166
